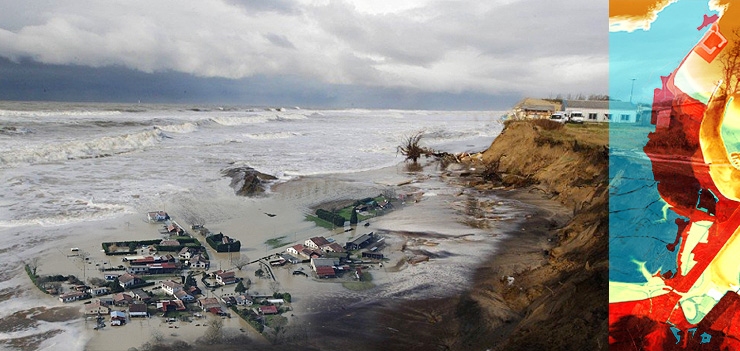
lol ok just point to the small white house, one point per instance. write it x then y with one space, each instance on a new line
243 300
127 280
157 216
96 308
99 290
71 296
138 310
171 287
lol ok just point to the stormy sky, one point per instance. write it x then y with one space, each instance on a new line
312 53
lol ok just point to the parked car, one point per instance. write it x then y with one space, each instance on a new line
559 117
576 117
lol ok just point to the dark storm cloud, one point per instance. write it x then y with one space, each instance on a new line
489 48
28 80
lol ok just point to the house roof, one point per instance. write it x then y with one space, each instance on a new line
334 247
361 239
140 294
164 265
181 294
126 277
179 305
72 294
324 262
94 306
225 275
169 243
122 296
269 309
325 270
319 241
537 105
242 298
208 301
117 314
289 257
172 284
137 307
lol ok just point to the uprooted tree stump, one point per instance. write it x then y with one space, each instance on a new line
413 151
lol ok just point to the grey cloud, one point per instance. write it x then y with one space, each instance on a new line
442 47
279 40
279 6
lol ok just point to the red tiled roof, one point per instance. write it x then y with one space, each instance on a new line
324 270
137 307
225 274
320 241
269 309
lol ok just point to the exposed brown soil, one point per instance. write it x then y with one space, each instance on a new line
561 304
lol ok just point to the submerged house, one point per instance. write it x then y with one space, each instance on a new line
138 310
72 296
157 216
225 278
316 242
362 241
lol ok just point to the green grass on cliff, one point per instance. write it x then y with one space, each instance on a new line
587 134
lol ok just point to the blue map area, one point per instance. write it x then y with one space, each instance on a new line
640 224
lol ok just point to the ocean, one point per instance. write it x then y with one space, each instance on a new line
65 167
64 163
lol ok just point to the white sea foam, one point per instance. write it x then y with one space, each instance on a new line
184 128
270 136
68 215
76 149
241 120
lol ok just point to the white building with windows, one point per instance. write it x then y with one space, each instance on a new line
612 111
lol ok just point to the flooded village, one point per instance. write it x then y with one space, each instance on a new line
188 275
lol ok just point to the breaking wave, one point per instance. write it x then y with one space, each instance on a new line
52 113
257 118
71 150
271 136
179 128
238 121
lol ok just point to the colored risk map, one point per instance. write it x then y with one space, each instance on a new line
675 181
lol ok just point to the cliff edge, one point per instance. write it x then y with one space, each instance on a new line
561 304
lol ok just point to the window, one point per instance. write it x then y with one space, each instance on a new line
592 116
625 117
608 116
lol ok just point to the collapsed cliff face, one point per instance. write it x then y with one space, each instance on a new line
247 181
561 304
